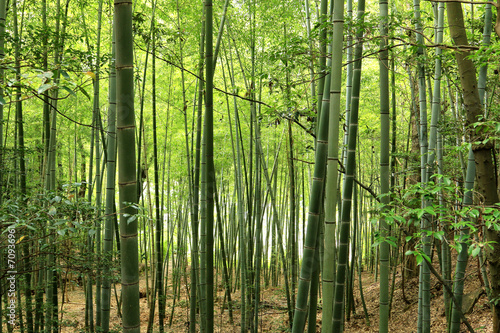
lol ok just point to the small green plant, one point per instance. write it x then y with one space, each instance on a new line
445 212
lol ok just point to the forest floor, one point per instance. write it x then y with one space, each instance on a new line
273 315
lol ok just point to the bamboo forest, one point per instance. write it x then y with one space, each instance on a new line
249 166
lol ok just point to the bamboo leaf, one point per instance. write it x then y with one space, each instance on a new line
64 74
68 90
44 87
30 227
85 93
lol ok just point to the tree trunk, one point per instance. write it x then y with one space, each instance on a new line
483 152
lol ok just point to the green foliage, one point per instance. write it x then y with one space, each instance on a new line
405 209
65 214
70 219
488 129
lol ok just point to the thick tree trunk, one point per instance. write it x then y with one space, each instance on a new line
483 153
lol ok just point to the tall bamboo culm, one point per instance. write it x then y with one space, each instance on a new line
423 323
110 193
208 172
328 275
463 256
384 166
125 124
345 221
313 221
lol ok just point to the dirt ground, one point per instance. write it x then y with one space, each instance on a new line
273 316
404 315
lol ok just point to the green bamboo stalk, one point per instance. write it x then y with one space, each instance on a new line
208 171
423 324
458 139
384 167
98 181
463 255
227 282
254 176
167 181
323 19
445 248
384 248
359 264
252 196
350 304
240 200
141 113
126 165
51 313
436 96
393 171
292 211
349 178
316 193
311 61
434 131
158 292
22 164
89 308
292 192
19 104
220 33
259 215
110 192
196 180
332 173
348 86
46 103
313 299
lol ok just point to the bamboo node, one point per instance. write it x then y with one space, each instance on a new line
128 236
130 284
